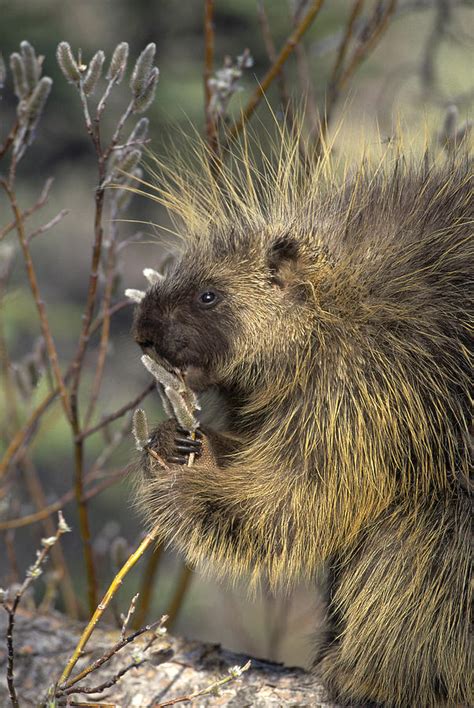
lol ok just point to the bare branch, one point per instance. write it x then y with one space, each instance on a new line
114 586
275 69
42 200
49 225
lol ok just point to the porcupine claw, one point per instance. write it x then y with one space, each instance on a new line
187 445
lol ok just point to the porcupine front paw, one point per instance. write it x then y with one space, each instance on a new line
174 444
184 446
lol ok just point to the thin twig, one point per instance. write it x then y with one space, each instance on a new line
211 128
46 511
156 457
275 69
119 412
116 136
9 139
118 646
114 586
45 328
304 74
366 47
105 334
234 673
128 616
87 690
22 435
36 492
49 225
42 200
107 314
33 572
84 337
103 100
376 26
344 44
272 54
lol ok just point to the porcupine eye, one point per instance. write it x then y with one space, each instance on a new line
207 299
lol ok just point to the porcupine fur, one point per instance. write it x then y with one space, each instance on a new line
341 343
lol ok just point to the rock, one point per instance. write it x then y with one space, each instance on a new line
176 667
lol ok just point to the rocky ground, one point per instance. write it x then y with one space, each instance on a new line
176 668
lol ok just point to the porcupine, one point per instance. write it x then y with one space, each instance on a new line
333 316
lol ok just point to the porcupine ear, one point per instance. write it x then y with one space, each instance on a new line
282 260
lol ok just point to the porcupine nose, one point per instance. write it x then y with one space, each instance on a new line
170 341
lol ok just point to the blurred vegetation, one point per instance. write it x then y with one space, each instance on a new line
420 67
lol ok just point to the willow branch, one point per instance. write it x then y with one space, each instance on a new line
42 200
234 673
364 49
46 511
9 139
105 333
211 128
275 69
114 586
45 328
49 225
271 53
340 76
36 492
118 413
344 45
22 435
108 655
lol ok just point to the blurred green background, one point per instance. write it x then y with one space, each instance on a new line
422 65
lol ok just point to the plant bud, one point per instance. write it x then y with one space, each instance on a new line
140 429
119 551
134 295
31 64
7 254
20 85
62 525
125 196
94 72
118 63
3 71
164 377
140 131
142 70
48 542
184 414
128 162
38 100
67 63
153 276
143 102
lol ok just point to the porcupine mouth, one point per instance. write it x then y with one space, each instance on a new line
165 363
192 370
